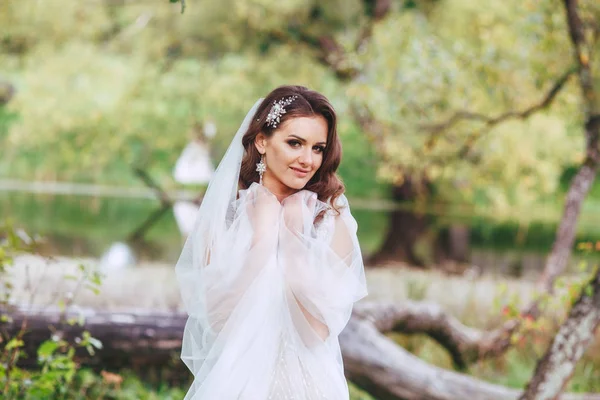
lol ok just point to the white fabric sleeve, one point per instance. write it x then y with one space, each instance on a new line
218 282
322 264
237 260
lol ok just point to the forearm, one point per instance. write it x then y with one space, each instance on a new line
297 263
239 270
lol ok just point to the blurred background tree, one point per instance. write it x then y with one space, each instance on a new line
445 103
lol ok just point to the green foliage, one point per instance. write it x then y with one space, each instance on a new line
416 289
118 85
126 385
6 119
357 394
117 96
55 356
359 164
463 56
182 4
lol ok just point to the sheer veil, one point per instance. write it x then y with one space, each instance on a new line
212 220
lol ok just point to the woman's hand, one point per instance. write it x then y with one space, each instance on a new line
298 210
298 215
263 209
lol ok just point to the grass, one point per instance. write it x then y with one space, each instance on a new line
153 285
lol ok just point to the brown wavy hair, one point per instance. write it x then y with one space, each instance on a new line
325 182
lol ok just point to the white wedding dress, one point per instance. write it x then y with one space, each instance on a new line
268 288
269 300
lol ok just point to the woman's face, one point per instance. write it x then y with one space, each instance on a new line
293 154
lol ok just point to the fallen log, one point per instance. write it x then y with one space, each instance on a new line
464 344
388 372
372 361
139 332
128 339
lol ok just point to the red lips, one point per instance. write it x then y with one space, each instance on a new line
305 171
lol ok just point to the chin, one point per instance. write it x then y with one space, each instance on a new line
297 185
295 182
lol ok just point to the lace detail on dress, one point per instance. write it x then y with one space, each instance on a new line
282 384
324 229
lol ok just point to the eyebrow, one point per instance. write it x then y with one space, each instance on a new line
304 140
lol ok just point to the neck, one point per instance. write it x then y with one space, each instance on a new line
277 188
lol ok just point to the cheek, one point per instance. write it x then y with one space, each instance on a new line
288 155
281 157
318 161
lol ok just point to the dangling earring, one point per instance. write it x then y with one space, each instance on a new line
261 167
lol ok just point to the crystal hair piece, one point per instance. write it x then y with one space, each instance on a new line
277 110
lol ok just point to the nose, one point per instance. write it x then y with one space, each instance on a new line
306 158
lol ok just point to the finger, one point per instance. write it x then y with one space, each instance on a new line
250 199
310 203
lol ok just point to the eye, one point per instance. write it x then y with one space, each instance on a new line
293 143
319 149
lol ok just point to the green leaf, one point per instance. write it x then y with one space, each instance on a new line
61 305
589 290
14 343
96 278
46 349
95 342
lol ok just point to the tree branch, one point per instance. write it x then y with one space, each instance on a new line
556 367
332 54
465 344
585 177
437 129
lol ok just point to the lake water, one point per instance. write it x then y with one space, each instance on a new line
85 226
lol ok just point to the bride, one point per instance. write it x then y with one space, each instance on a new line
273 266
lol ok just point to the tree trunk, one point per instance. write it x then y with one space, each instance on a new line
452 244
558 258
583 180
554 370
409 229
405 229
